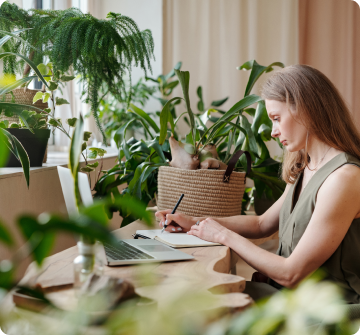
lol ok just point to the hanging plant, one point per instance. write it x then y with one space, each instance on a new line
101 51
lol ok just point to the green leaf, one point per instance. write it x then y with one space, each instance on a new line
4 124
44 70
92 155
14 125
7 274
164 118
54 122
37 96
72 122
189 148
250 111
15 84
168 88
3 149
218 103
61 101
131 205
87 169
172 72
83 147
12 34
206 116
260 117
200 105
18 150
27 60
121 132
157 147
45 97
96 212
5 235
74 156
267 162
251 138
66 78
87 135
99 152
19 108
53 85
184 78
144 116
265 132
256 71
228 116
93 165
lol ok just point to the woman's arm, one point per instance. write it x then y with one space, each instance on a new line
248 226
338 203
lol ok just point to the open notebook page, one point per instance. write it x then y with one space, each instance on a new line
176 240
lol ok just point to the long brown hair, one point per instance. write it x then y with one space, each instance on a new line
320 108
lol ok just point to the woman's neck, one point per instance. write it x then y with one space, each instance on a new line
320 153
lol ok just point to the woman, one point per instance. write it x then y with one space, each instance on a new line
318 215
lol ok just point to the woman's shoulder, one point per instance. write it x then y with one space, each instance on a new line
346 178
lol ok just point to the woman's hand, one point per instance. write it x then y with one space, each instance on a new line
209 230
176 223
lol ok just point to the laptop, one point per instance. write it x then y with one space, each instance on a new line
127 251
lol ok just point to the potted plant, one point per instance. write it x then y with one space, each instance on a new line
101 51
113 110
32 129
142 159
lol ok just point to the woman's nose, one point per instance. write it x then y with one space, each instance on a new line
275 132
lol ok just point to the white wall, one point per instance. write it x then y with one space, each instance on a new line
17 2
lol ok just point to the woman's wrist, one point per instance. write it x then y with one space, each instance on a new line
225 237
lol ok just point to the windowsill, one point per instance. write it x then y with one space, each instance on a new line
54 159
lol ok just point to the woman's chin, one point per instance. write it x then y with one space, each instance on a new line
289 147
292 148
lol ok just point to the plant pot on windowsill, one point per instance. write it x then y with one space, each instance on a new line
34 144
23 96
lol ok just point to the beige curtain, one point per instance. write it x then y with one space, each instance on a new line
213 37
329 39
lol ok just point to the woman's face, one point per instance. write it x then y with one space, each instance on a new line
291 133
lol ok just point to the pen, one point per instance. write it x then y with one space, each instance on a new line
173 211
136 236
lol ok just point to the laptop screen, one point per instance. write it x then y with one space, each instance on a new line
67 185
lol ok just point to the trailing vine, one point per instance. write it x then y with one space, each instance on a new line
101 51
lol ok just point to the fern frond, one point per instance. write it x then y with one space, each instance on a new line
102 51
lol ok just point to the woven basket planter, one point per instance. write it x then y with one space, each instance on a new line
23 96
206 192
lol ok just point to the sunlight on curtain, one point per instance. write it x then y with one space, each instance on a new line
329 40
213 37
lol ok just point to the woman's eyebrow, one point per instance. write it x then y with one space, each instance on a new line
272 113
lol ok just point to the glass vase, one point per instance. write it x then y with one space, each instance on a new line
87 263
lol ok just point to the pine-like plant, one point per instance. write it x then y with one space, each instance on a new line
101 51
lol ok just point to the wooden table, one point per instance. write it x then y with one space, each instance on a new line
209 273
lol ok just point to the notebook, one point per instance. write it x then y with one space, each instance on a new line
175 240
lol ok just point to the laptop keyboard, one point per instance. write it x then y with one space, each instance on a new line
124 251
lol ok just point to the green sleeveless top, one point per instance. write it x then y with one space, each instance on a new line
343 267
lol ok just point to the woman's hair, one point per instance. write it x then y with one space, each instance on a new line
319 106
